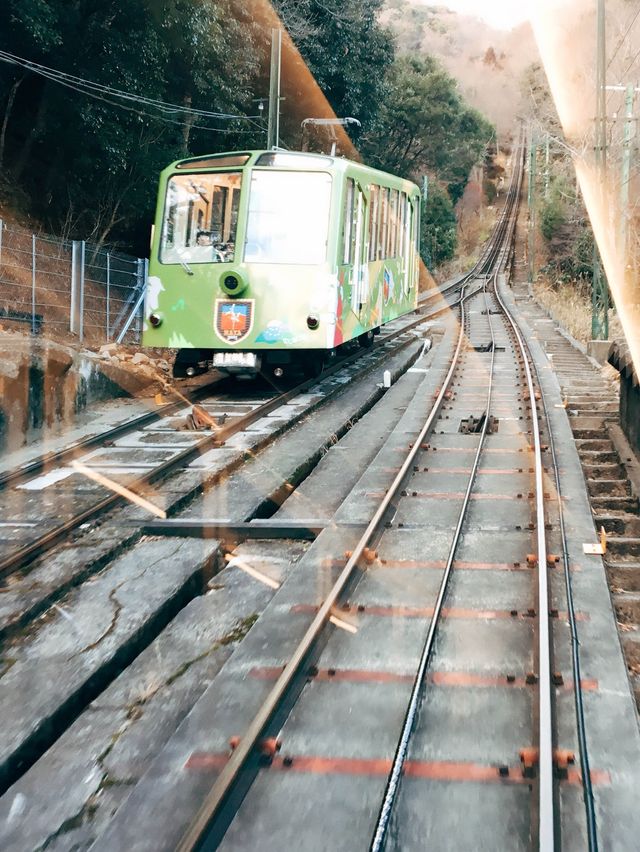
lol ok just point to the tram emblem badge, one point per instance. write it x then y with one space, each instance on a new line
234 319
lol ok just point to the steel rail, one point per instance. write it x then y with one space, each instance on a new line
228 776
17 475
546 816
589 799
225 781
40 545
397 767
42 463
395 775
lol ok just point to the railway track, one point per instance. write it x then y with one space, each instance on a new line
177 449
399 672
80 535
57 464
227 818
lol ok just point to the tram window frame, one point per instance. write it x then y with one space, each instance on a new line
348 225
401 224
393 222
374 193
383 224
192 246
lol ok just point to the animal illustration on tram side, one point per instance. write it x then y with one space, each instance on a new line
263 260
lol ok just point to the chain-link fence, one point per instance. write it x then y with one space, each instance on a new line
70 287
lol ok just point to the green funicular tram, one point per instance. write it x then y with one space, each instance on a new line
267 260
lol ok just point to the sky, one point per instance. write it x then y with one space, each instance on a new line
503 14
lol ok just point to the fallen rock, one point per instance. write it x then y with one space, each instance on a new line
140 358
108 348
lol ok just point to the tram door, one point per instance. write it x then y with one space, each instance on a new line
410 239
360 276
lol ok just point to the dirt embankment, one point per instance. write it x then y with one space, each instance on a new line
44 385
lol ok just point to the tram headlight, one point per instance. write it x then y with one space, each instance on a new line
155 319
313 321
233 283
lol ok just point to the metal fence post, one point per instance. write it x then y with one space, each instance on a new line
73 302
143 285
140 288
82 254
33 283
76 311
108 291
1 229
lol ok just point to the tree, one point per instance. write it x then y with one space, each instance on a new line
438 228
347 52
100 158
425 126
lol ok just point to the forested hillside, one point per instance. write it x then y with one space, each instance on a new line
97 96
487 63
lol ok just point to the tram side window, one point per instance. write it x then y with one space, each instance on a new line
402 213
201 218
393 223
349 226
384 224
408 220
373 221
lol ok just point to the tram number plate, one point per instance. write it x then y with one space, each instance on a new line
235 359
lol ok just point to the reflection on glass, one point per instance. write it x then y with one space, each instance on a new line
201 217
288 217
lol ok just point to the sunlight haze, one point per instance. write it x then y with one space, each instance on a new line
503 14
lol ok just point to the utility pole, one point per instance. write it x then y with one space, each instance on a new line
626 170
188 124
599 289
547 176
273 131
531 200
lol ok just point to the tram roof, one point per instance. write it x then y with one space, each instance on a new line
278 158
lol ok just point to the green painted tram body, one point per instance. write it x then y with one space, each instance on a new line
298 239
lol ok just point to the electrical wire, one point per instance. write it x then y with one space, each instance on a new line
630 65
624 38
100 87
106 94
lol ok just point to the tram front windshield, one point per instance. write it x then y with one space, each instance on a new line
201 218
288 218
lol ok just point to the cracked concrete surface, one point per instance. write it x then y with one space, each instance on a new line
78 645
113 741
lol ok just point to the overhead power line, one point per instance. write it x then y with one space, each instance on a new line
630 65
114 97
624 38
